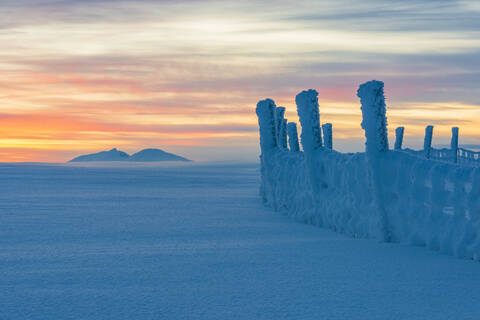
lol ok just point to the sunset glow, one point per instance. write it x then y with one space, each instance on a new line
185 76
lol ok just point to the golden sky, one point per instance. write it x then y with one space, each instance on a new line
85 76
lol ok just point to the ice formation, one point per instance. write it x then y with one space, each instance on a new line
307 108
266 121
391 195
374 120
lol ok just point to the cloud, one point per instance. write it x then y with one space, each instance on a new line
78 74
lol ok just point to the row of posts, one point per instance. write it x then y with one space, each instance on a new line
285 135
286 132
427 142
273 128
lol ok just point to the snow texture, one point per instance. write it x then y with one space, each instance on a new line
382 194
327 135
266 121
266 113
293 137
307 108
399 137
192 241
374 119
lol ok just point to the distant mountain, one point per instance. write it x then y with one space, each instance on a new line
112 155
146 155
155 155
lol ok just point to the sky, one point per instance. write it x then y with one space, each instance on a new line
185 76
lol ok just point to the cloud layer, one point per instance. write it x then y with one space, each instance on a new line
81 76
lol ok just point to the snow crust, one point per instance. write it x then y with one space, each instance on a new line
192 241
428 203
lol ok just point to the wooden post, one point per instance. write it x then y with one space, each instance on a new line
427 142
327 135
454 144
399 138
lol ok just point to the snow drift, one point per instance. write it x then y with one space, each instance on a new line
390 195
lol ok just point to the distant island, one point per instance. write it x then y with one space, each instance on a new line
146 155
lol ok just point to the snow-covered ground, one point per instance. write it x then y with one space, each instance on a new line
193 241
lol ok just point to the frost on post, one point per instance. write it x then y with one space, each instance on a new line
427 142
374 119
307 108
375 125
327 135
266 121
293 137
268 143
279 116
399 138
283 134
454 144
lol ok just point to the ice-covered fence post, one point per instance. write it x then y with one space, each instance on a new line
268 144
293 137
283 134
327 135
311 137
375 125
454 144
307 108
427 142
374 120
399 138
279 116
266 121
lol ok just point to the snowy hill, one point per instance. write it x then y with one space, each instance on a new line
146 155
112 155
155 155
